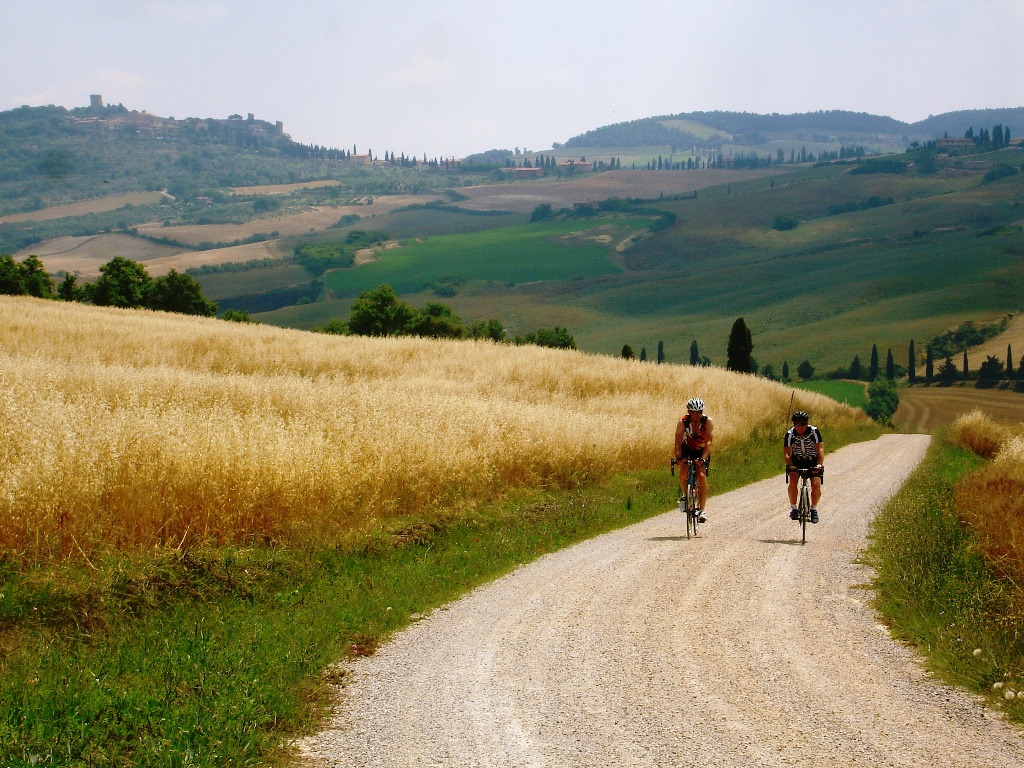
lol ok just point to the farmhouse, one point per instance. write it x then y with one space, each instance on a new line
525 173
951 144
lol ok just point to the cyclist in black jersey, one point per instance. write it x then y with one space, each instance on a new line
804 449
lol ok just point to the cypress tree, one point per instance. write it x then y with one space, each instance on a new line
694 354
912 365
661 352
873 370
739 349
785 371
890 366
1009 361
965 365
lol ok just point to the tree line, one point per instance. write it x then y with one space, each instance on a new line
379 312
122 283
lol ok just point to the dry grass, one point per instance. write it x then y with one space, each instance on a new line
1013 336
524 196
991 500
294 222
283 189
132 429
85 255
929 409
83 207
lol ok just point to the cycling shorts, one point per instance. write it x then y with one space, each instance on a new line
694 453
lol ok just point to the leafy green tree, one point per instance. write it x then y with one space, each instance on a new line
784 221
178 292
769 372
542 212
237 316
11 283
873 370
335 327
990 371
856 369
627 352
68 289
740 346
122 283
486 329
379 312
947 372
436 321
36 280
557 338
805 370
883 400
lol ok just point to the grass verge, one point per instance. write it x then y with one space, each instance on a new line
217 657
936 590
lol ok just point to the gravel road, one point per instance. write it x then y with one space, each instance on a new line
640 648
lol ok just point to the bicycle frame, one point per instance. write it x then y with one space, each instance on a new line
692 520
804 505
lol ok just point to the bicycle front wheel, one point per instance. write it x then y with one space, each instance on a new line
691 510
805 512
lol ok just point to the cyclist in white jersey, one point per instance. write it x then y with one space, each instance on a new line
804 449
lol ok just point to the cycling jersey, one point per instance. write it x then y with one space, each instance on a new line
803 448
695 437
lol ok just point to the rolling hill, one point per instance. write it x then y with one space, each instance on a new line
874 252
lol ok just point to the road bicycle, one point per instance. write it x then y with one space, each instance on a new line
689 502
804 505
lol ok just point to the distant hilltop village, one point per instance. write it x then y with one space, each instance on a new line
145 123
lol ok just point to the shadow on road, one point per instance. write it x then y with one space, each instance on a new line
670 538
780 541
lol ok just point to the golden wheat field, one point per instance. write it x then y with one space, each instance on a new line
991 500
128 429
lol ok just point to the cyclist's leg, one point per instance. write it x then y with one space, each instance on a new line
815 491
702 485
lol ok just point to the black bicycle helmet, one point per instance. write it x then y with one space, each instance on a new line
801 417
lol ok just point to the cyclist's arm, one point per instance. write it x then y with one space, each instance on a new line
680 432
821 452
709 430
787 451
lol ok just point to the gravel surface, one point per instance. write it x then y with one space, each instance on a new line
643 648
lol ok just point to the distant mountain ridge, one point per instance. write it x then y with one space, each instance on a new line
712 129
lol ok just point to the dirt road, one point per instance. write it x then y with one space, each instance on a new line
641 648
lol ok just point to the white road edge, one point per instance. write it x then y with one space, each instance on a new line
640 648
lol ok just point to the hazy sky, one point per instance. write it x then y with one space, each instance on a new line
453 77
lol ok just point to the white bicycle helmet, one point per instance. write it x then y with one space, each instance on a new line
695 404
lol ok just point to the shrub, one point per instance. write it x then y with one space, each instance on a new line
784 221
882 400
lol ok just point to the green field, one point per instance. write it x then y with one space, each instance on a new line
850 392
948 248
564 250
